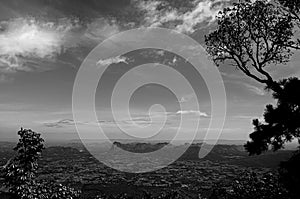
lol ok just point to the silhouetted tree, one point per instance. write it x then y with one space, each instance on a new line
292 6
252 37
20 171
281 122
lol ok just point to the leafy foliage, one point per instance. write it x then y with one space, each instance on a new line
252 36
293 7
20 171
281 123
50 190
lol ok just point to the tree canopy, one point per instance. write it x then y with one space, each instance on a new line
253 37
20 171
281 122
293 6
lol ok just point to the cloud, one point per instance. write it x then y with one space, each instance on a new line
244 117
199 113
231 75
186 22
104 123
238 79
5 79
138 121
28 38
60 123
153 53
113 60
174 60
256 90
29 44
67 123
186 98
71 123
100 29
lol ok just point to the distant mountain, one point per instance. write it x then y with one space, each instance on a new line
218 153
236 155
139 147
227 154
177 142
225 142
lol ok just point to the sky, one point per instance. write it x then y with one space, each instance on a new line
44 42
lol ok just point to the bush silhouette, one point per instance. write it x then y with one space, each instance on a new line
281 122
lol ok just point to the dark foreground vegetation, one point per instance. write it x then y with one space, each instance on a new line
71 173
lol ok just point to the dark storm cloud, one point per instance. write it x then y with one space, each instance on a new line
61 8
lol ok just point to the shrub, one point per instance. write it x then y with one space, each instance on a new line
20 172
